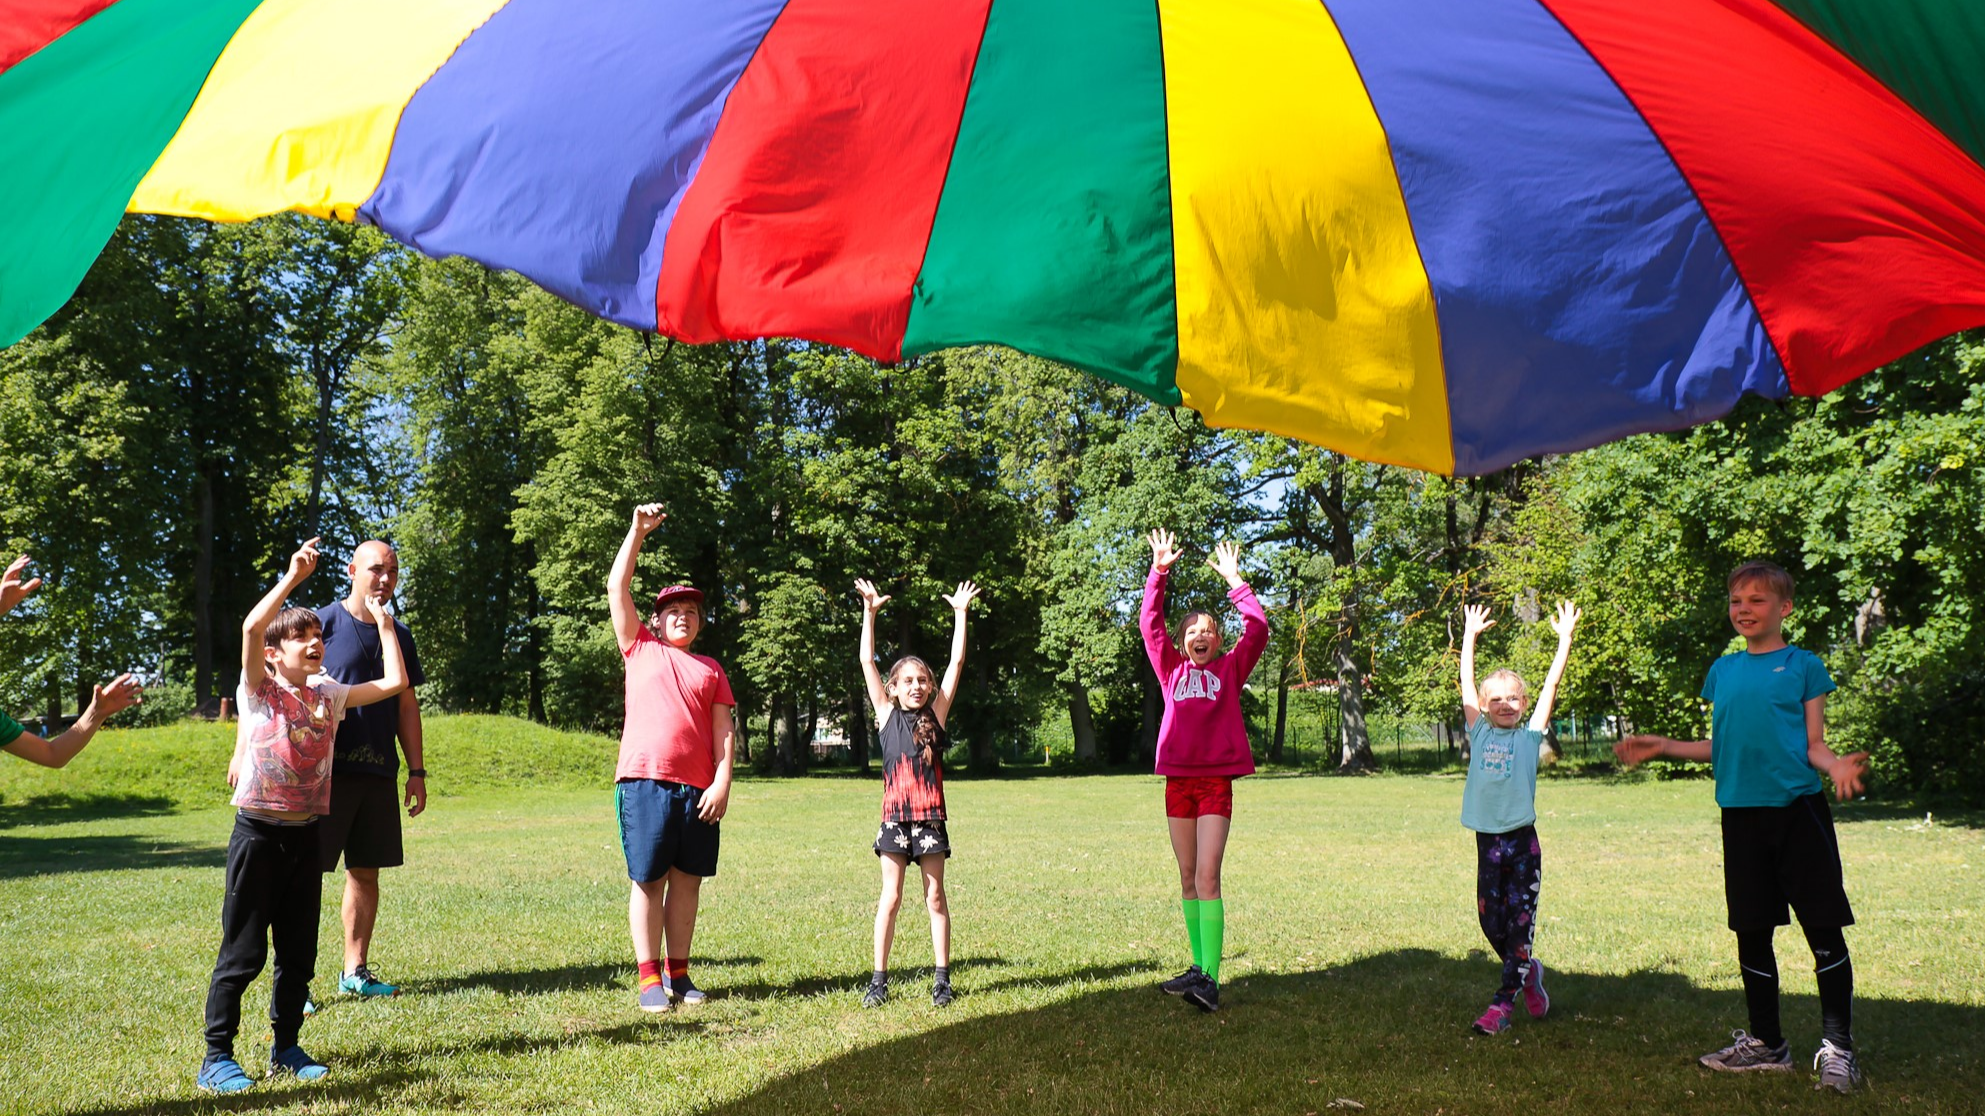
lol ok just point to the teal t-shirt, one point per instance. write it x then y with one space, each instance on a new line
1501 793
1757 725
10 730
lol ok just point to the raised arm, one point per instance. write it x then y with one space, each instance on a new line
872 602
620 581
253 666
1474 621
961 603
1563 623
122 692
1226 561
12 589
395 678
1151 616
1847 772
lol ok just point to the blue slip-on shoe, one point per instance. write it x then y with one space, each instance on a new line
654 998
361 982
295 1061
223 1076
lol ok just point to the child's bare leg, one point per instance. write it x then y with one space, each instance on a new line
644 919
1211 842
1185 848
679 911
940 911
894 867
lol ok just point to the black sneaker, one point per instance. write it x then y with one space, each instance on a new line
940 994
1204 994
1177 985
876 996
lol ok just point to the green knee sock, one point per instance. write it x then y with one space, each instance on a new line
1192 926
1212 935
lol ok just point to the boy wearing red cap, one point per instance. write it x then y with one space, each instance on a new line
673 781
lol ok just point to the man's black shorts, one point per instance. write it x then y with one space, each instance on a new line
364 823
1779 856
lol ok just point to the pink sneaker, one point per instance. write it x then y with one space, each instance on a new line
1495 1020
1534 996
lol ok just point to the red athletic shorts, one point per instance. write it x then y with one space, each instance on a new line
1196 796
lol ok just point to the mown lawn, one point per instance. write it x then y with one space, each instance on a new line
1354 964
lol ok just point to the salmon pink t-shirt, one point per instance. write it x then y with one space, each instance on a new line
288 730
670 696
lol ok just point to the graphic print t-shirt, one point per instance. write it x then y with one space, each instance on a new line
912 789
1501 792
290 731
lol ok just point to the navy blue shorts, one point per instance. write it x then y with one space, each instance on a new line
659 830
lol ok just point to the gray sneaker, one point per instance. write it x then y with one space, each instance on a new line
1837 1069
1747 1054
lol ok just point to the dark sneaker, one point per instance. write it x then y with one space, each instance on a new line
1204 994
1837 1069
940 994
876 996
684 990
1535 999
1177 985
223 1075
1496 1020
361 982
295 1061
654 998
1748 1054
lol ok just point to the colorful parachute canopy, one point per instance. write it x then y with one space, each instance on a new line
1442 233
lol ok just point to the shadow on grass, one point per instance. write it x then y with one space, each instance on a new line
1389 1032
568 978
41 856
56 809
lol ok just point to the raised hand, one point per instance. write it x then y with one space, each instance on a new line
647 517
1226 561
1475 619
962 599
872 601
12 589
304 562
123 692
1566 619
1164 549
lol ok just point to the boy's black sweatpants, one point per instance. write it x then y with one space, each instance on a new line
274 885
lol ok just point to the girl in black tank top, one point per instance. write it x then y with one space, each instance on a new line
910 709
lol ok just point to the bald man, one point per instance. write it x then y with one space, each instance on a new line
364 823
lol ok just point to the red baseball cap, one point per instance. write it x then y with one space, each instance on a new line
675 592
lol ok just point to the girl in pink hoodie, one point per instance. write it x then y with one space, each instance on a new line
1202 747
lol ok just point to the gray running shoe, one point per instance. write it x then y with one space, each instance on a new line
1177 985
1204 994
1747 1054
1837 1069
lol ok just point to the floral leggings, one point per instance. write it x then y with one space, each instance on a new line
1509 869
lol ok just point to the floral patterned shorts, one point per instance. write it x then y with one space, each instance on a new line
913 839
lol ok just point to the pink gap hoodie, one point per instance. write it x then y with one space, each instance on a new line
1203 733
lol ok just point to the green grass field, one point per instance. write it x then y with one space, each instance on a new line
1354 962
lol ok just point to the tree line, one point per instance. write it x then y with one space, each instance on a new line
214 393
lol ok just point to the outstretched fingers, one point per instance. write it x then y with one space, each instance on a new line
962 598
1475 618
1164 548
1567 619
121 693
871 599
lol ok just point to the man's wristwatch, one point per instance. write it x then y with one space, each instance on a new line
416 772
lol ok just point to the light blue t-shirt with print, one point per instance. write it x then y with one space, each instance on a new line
1501 793
1757 725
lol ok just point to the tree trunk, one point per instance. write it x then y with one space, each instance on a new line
1355 736
534 651
809 730
781 733
203 593
858 727
1154 713
1281 712
1080 723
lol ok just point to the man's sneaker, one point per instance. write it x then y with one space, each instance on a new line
1495 1020
684 990
1748 1054
876 996
1837 1069
940 994
655 997
1204 994
309 1006
361 982
294 1061
1177 985
223 1075
1535 999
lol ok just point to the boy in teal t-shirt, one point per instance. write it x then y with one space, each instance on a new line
1499 802
1767 746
